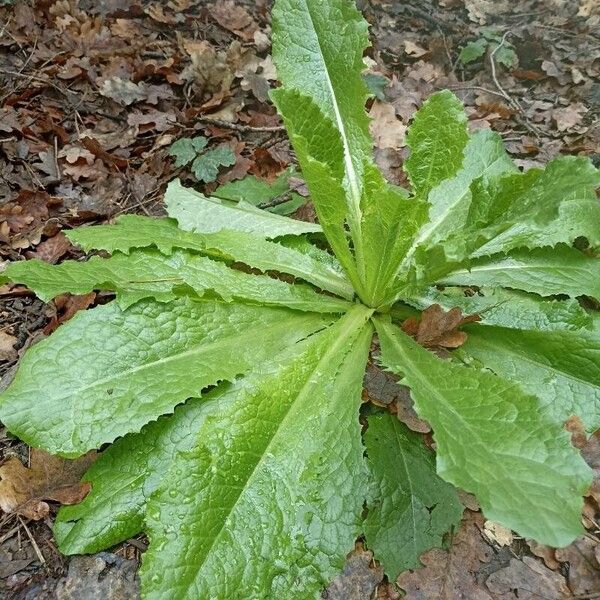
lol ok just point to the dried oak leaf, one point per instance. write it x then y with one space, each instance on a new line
25 490
452 574
438 328
52 249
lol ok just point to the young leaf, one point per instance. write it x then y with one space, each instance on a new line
278 474
509 308
195 212
473 50
561 270
413 508
495 441
149 274
562 368
108 372
206 165
436 138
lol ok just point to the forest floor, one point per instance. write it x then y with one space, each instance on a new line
92 95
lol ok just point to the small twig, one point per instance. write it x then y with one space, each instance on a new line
475 87
493 64
239 127
511 101
36 548
281 198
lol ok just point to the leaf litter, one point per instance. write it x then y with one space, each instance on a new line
87 133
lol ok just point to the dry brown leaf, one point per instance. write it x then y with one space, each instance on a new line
584 571
387 130
7 342
438 328
452 574
24 490
359 578
52 249
65 307
546 553
235 18
569 116
527 579
498 534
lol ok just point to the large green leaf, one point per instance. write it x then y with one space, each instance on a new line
108 372
495 441
149 274
508 308
195 212
291 255
269 501
125 475
320 152
318 48
413 507
562 368
543 271
436 138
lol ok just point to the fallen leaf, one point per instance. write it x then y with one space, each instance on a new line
584 571
7 342
413 49
25 490
65 306
546 553
359 578
438 328
452 574
235 18
52 249
387 130
123 91
569 116
527 579
498 534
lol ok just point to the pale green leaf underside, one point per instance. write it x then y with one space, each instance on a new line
149 274
195 212
562 368
495 441
560 270
268 503
108 372
294 255
508 308
413 507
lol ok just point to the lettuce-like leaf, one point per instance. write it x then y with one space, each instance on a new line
149 274
495 441
268 503
108 372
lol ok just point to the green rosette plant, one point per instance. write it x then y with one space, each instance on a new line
230 397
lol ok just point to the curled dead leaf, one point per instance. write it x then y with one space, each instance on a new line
438 328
